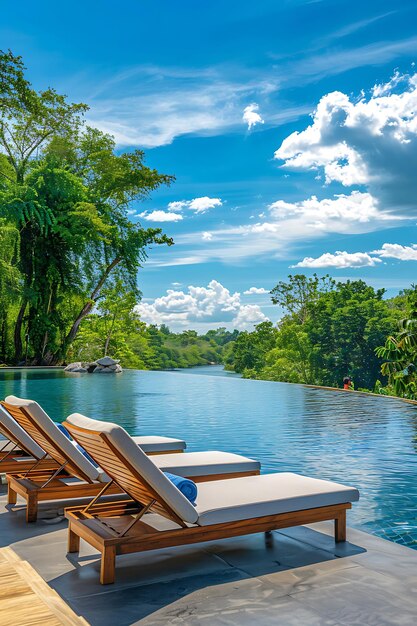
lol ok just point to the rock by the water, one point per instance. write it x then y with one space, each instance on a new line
75 367
105 365
106 361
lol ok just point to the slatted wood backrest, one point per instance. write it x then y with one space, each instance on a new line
43 439
110 459
9 435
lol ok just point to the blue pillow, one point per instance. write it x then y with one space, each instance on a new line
63 430
75 444
85 453
187 487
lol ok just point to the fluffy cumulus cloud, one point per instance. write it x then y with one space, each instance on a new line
251 115
397 251
370 141
198 205
339 260
160 216
331 213
213 304
255 291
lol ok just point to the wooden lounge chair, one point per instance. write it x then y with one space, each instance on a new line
75 476
18 452
225 508
151 444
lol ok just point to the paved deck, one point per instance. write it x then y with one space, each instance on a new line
299 578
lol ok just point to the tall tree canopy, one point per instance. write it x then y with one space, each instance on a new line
66 192
330 330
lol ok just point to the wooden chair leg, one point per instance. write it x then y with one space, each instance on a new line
108 565
73 541
32 507
11 495
340 527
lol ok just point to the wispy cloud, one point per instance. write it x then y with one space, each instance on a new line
157 104
353 27
323 61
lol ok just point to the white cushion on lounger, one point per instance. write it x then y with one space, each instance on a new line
269 494
143 464
61 441
204 463
153 443
21 435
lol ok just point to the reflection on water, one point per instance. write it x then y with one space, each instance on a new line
364 441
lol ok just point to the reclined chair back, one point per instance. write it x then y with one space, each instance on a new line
130 468
39 426
15 433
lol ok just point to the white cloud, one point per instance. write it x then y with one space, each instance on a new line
206 236
371 141
213 304
255 290
288 224
154 105
397 251
368 145
201 205
250 116
160 216
339 260
198 205
330 214
315 64
178 205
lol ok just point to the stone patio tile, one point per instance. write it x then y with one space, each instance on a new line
361 603
299 579
211 601
257 555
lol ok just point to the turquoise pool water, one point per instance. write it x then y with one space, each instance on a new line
360 440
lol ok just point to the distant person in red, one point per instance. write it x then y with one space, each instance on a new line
347 383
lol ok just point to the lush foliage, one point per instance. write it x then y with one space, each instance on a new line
329 330
400 353
117 330
64 229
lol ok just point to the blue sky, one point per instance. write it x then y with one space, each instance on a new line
291 128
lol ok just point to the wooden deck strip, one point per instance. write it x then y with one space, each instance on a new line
26 599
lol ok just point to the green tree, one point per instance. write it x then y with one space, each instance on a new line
344 327
9 282
249 349
299 293
400 353
289 361
67 192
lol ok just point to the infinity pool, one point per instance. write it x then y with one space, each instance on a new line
364 441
